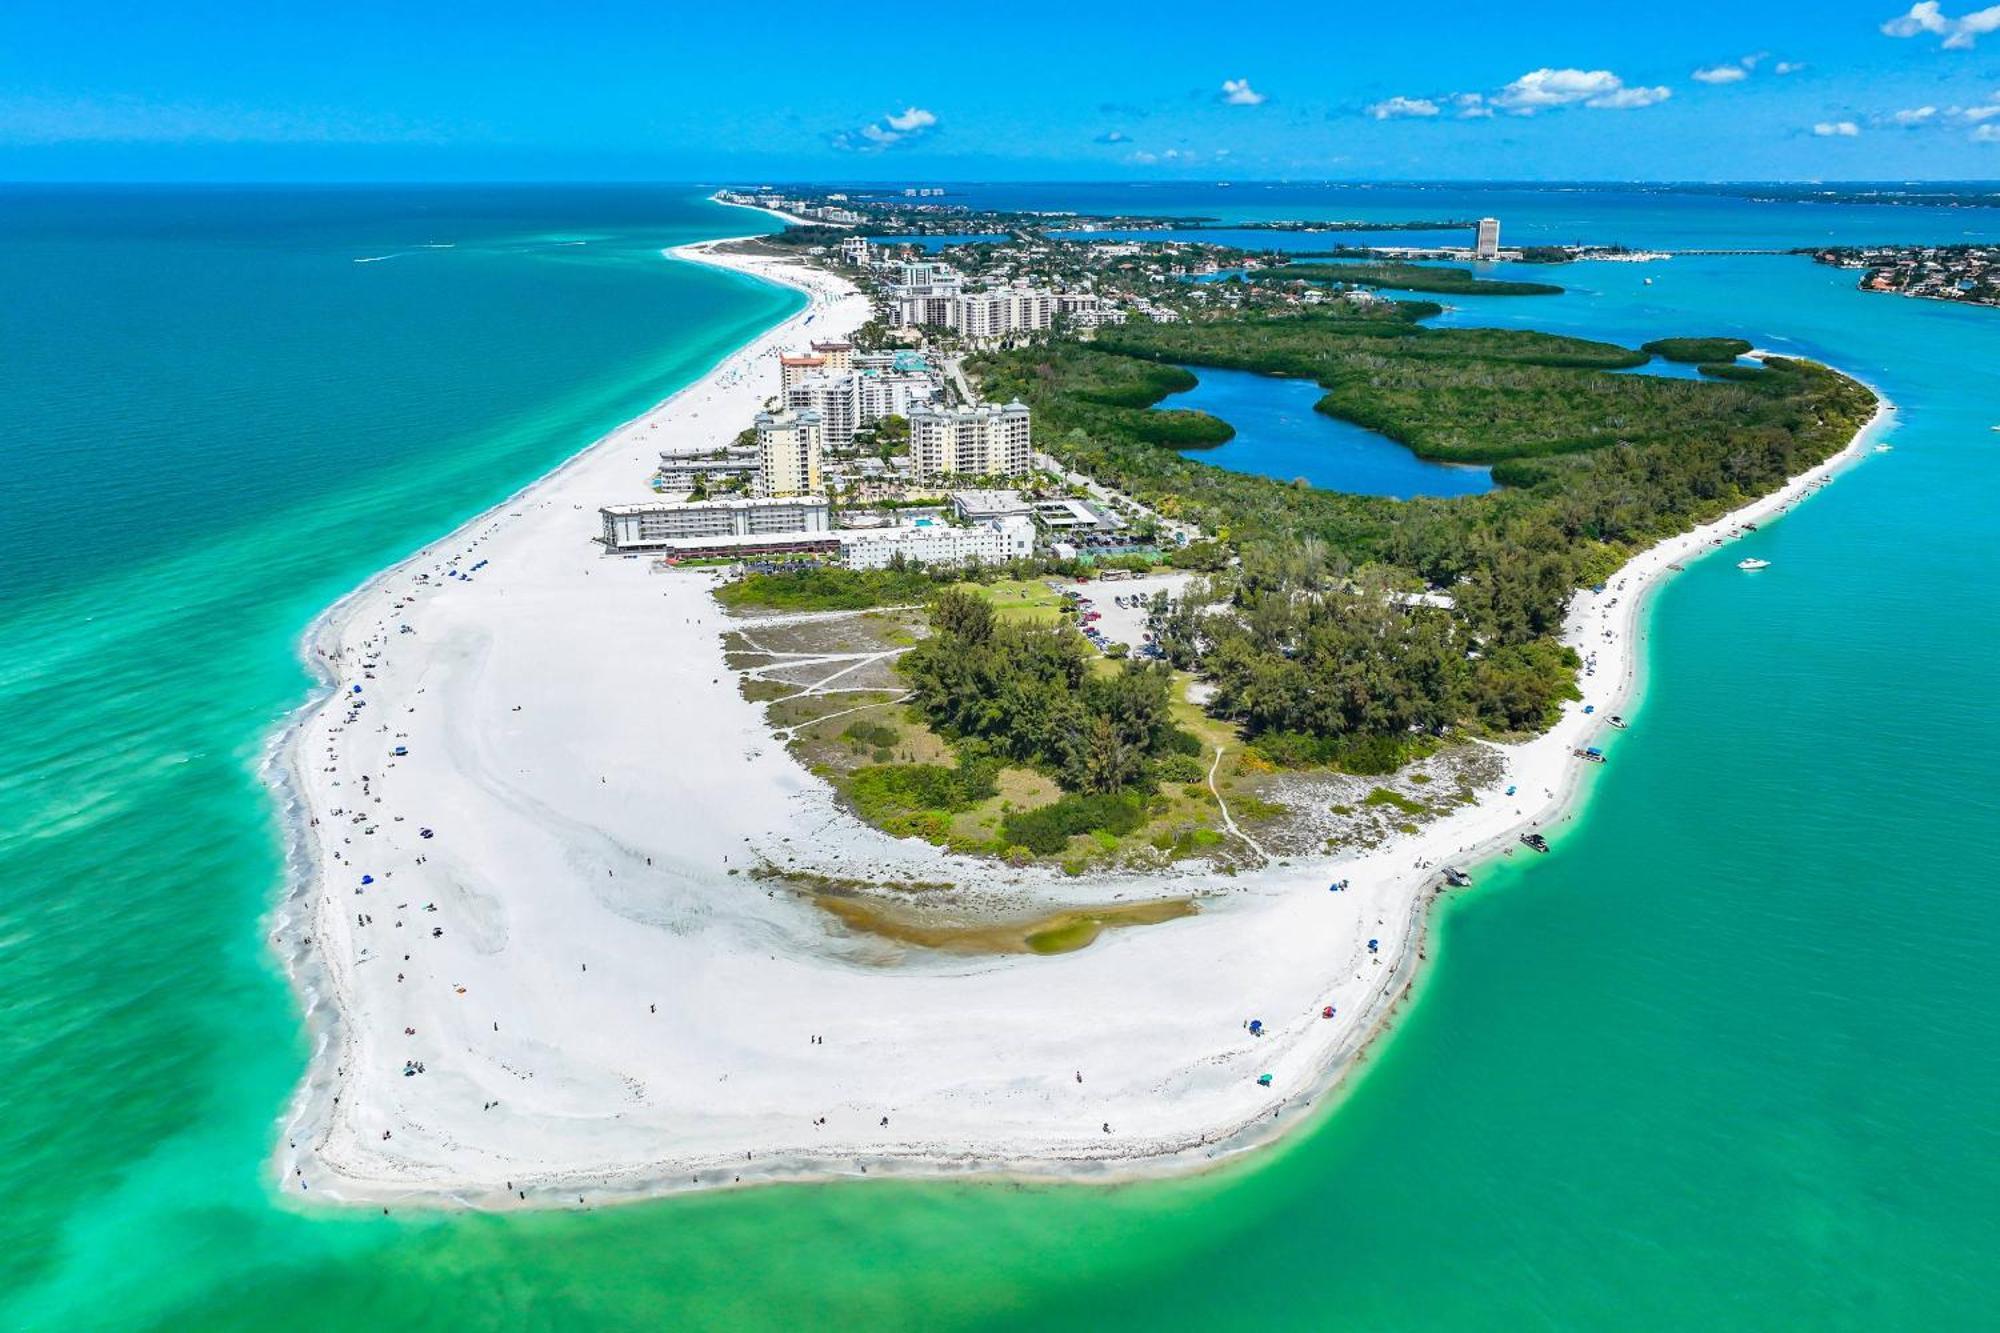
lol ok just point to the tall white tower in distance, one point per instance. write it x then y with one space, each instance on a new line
1488 246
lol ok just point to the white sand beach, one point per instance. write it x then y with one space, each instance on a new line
591 1005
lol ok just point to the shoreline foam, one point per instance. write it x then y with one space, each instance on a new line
1245 929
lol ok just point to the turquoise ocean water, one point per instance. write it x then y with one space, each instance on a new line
1727 1058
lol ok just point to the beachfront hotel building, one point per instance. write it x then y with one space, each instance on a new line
1488 244
789 445
793 368
983 441
662 525
682 471
993 542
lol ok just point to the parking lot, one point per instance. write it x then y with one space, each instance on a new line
1125 624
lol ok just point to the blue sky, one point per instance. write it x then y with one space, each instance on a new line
1845 89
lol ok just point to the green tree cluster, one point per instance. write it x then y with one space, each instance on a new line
1025 692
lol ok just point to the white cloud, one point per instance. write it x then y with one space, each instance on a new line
1836 129
1394 107
896 127
1918 117
912 119
1556 87
1986 133
1238 92
1739 69
1959 34
1537 90
1626 98
1542 89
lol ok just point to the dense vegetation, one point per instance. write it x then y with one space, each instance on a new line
918 800
1024 692
1696 351
831 588
1348 676
1047 829
1321 660
1409 278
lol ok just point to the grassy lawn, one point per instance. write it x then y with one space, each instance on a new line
1020 599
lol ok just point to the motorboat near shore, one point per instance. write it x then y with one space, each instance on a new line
1616 721
1455 877
1753 564
1534 842
1590 754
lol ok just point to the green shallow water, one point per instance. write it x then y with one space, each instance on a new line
1726 1058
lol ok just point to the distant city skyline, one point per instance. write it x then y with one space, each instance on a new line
1851 89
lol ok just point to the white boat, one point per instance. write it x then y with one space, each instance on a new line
1753 564
1884 448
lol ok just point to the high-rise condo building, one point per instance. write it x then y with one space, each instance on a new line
846 403
833 400
1488 245
984 441
788 453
